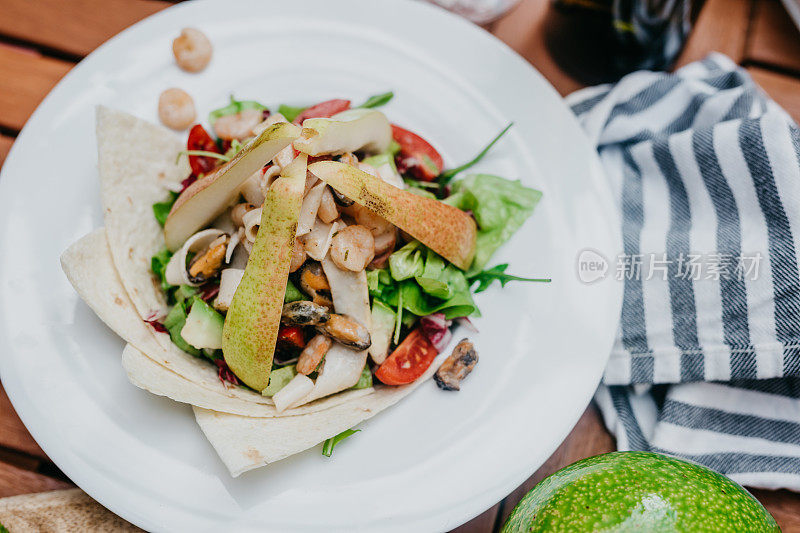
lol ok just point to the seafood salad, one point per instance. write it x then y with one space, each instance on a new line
289 271
367 291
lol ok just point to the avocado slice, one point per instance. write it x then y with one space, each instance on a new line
203 327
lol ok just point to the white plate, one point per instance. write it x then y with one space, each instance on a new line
436 459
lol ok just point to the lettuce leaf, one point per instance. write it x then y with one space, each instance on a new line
423 282
500 207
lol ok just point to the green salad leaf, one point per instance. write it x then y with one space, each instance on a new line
377 100
236 106
497 272
330 444
161 209
158 264
499 206
4 529
421 282
293 294
290 112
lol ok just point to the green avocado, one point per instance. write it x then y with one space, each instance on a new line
638 491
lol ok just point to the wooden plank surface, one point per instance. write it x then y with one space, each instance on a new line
13 434
14 481
523 30
783 89
26 78
721 27
774 39
5 146
73 26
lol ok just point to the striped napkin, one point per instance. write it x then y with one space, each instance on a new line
706 365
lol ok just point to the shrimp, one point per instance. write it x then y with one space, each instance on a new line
353 248
238 126
176 109
192 50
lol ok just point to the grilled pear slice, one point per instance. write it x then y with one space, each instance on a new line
348 131
206 198
447 230
251 326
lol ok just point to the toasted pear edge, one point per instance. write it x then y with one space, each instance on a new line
251 326
445 229
280 135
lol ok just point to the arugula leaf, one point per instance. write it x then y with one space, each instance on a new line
236 106
161 209
500 207
290 112
158 264
377 100
497 272
330 444
447 175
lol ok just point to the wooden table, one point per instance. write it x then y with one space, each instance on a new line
41 40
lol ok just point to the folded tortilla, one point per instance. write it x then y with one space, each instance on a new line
244 443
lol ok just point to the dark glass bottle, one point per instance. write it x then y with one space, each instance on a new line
598 41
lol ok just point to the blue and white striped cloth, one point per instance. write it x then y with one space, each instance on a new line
706 170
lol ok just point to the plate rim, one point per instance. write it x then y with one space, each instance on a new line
17 397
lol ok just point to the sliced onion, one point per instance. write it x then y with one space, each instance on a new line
251 221
284 157
228 283
176 273
236 238
253 188
318 240
309 208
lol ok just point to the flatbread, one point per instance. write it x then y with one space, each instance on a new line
137 166
244 443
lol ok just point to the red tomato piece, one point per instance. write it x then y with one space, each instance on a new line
292 335
199 139
323 110
408 361
417 157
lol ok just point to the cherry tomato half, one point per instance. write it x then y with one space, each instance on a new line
408 361
199 139
323 110
292 335
417 157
